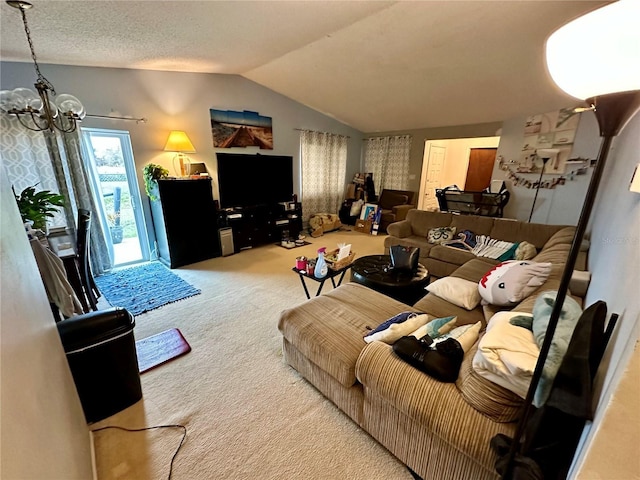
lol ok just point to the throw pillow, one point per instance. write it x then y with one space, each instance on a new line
466 335
397 326
356 207
508 283
569 316
436 327
525 251
458 291
441 234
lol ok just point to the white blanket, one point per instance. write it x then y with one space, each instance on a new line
507 354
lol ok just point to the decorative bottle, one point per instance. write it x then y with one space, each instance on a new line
321 269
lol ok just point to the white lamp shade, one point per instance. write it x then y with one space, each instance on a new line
598 53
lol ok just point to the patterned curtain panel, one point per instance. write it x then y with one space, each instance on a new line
388 159
72 176
324 166
26 161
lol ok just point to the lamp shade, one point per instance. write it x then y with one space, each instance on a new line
178 141
598 53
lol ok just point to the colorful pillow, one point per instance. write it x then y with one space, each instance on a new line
458 291
397 326
441 234
466 335
436 327
508 283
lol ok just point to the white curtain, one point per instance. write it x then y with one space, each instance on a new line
388 159
324 166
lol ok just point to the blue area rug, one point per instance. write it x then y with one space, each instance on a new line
144 287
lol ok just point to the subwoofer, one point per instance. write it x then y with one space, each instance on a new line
226 241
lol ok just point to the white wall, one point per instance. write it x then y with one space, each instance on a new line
181 101
44 433
558 206
614 260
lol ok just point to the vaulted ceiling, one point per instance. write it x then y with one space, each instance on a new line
374 65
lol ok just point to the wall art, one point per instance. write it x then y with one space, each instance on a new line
240 129
553 132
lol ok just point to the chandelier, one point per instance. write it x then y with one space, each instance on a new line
38 111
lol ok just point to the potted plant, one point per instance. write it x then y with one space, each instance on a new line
38 207
152 172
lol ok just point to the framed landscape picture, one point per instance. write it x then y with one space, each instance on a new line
240 129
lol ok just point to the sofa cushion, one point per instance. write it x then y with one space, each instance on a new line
329 329
458 291
477 224
422 221
562 236
516 231
488 398
436 406
451 254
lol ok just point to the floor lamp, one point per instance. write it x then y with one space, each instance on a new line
533 205
590 58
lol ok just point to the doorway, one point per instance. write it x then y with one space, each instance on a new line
113 176
448 162
481 161
432 170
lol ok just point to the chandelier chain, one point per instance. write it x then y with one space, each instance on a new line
41 78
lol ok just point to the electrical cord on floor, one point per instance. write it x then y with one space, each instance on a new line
182 427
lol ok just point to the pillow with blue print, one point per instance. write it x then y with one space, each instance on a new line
396 327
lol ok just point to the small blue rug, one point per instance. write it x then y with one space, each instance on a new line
144 287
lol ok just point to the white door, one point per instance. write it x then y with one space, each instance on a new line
113 174
432 168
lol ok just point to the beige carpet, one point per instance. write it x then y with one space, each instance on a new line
248 414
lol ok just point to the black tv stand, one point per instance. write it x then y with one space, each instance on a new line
257 225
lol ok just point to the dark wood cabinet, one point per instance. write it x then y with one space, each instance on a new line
263 224
185 221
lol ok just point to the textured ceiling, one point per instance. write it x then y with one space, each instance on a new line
375 65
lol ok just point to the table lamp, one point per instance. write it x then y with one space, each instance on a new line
179 142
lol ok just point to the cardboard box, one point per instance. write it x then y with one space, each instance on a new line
363 226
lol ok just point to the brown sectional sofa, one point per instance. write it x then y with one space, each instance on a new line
440 430
441 260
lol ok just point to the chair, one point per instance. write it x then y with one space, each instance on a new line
82 245
395 204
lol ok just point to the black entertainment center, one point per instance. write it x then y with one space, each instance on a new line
257 199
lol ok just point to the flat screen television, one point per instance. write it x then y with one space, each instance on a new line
248 180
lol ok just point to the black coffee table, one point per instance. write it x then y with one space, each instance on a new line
375 272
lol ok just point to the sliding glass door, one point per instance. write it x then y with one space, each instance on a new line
113 174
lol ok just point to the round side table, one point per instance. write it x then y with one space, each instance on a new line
375 272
